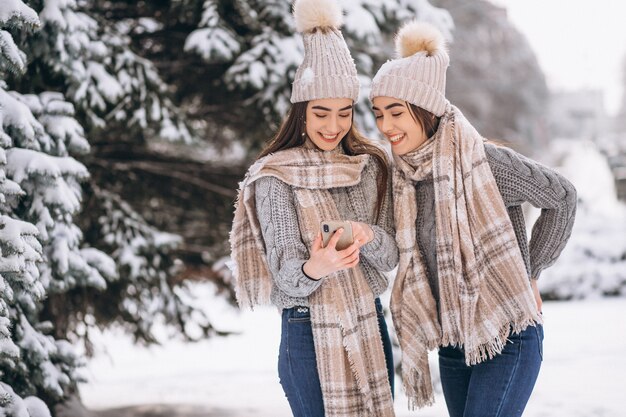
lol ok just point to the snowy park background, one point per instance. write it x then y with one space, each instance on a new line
126 125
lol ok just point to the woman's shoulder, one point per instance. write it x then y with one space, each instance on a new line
501 156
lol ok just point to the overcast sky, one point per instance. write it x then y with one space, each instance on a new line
579 43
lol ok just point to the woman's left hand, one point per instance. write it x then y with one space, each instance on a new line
533 285
362 232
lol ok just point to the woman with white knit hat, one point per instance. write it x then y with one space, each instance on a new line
466 280
335 353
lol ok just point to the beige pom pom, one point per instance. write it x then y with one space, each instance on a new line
416 36
311 14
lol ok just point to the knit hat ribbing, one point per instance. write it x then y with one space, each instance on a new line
328 70
419 75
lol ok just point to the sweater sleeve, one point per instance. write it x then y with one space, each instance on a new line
285 250
382 251
521 179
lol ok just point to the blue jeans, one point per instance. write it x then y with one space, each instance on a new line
499 387
297 367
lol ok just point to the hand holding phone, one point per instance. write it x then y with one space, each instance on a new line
329 227
325 260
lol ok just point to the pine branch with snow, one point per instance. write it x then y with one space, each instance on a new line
213 40
104 79
14 13
145 293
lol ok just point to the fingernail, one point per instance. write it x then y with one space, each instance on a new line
340 230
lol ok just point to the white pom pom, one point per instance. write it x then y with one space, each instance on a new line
311 14
416 36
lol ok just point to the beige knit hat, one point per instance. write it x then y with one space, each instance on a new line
328 70
419 75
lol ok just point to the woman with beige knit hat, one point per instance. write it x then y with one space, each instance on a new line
466 280
335 353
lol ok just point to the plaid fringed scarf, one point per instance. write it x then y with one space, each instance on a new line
485 292
348 346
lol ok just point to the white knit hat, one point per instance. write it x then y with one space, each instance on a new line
419 75
328 70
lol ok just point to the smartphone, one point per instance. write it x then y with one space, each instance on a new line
330 226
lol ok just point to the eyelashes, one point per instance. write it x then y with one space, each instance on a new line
344 116
392 115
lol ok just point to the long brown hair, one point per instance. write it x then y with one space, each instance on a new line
292 133
428 121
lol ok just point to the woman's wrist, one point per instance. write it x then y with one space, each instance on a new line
308 273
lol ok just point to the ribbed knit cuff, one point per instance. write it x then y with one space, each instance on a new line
306 275
374 245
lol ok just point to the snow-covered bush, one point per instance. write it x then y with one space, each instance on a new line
593 264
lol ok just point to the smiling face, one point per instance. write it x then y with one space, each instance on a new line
328 121
395 121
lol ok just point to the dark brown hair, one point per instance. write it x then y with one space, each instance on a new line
428 121
292 133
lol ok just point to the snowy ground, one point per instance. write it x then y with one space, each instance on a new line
583 375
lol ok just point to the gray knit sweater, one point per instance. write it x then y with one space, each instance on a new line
286 252
519 180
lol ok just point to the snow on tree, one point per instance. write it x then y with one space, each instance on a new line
148 296
101 75
43 254
118 100
13 405
32 362
214 41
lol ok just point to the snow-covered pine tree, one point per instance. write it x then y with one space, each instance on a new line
123 104
33 364
41 194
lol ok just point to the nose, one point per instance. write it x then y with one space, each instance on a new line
333 124
386 125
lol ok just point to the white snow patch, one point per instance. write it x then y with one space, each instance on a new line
584 341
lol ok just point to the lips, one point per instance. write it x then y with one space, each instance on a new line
396 139
329 138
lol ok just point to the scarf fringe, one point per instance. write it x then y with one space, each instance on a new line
245 301
488 349
418 387
369 404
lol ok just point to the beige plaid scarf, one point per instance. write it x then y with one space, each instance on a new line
484 289
348 346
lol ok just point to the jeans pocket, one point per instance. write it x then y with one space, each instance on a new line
539 330
300 319
299 315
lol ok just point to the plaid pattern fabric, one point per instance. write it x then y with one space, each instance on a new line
348 346
485 292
